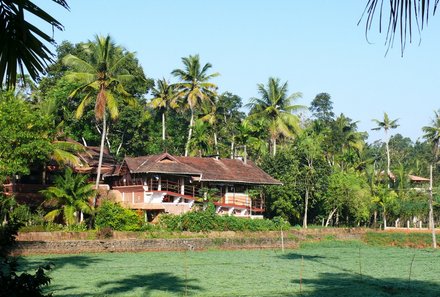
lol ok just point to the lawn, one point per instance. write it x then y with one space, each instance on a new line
330 268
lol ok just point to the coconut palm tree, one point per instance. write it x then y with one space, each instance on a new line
164 98
432 134
402 16
275 107
22 43
194 87
347 142
102 75
70 196
386 124
213 116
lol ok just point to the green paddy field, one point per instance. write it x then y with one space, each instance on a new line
329 268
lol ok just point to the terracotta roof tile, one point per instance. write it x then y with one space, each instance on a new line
209 169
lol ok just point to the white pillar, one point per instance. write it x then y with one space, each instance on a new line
182 186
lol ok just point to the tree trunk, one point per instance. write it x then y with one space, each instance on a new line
274 146
388 157
191 123
216 144
163 126
330 216
232 150
384 215
306 205
44 174
375 219
101 154
431 211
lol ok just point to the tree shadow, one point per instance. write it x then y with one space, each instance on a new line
60 262
322 260
74 260
165 282
346 284
298 256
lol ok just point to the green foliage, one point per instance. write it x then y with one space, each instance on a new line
14 283
69 196
23 44
208 220
410 239
23 136
283 200
349 196
118 218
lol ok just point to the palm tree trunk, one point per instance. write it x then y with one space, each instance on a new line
306 205
216 144
191 123
388 157
232 150
101 154
274 146
163 126
384 215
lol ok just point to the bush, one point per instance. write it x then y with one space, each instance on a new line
208 220
12 282
118 218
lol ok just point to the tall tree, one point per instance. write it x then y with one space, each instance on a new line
386 124
194 87
322 107
21 42
102 75
275 107
432 134
164 98
310 151
24 140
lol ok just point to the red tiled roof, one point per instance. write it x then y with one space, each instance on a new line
209 169
164 163
90 159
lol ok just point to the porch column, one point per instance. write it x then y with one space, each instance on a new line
182 185
159 186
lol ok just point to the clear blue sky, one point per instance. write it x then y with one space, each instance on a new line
314 45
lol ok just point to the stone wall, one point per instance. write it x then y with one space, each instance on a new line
81 242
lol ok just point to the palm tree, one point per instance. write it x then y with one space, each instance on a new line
275 108
22 43
348 143
164 98
102 74
199 144
401 16
63 151
194 87
386 124
213 116
70 195
432 134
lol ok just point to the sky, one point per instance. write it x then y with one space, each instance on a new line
317 46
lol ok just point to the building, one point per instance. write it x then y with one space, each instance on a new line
171 184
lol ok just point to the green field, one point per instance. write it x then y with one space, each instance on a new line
329 268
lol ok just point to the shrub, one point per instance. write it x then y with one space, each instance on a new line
208 220
12 282
118 218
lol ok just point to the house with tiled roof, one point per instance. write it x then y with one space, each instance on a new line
173 184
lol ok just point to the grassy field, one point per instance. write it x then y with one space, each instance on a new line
329 268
